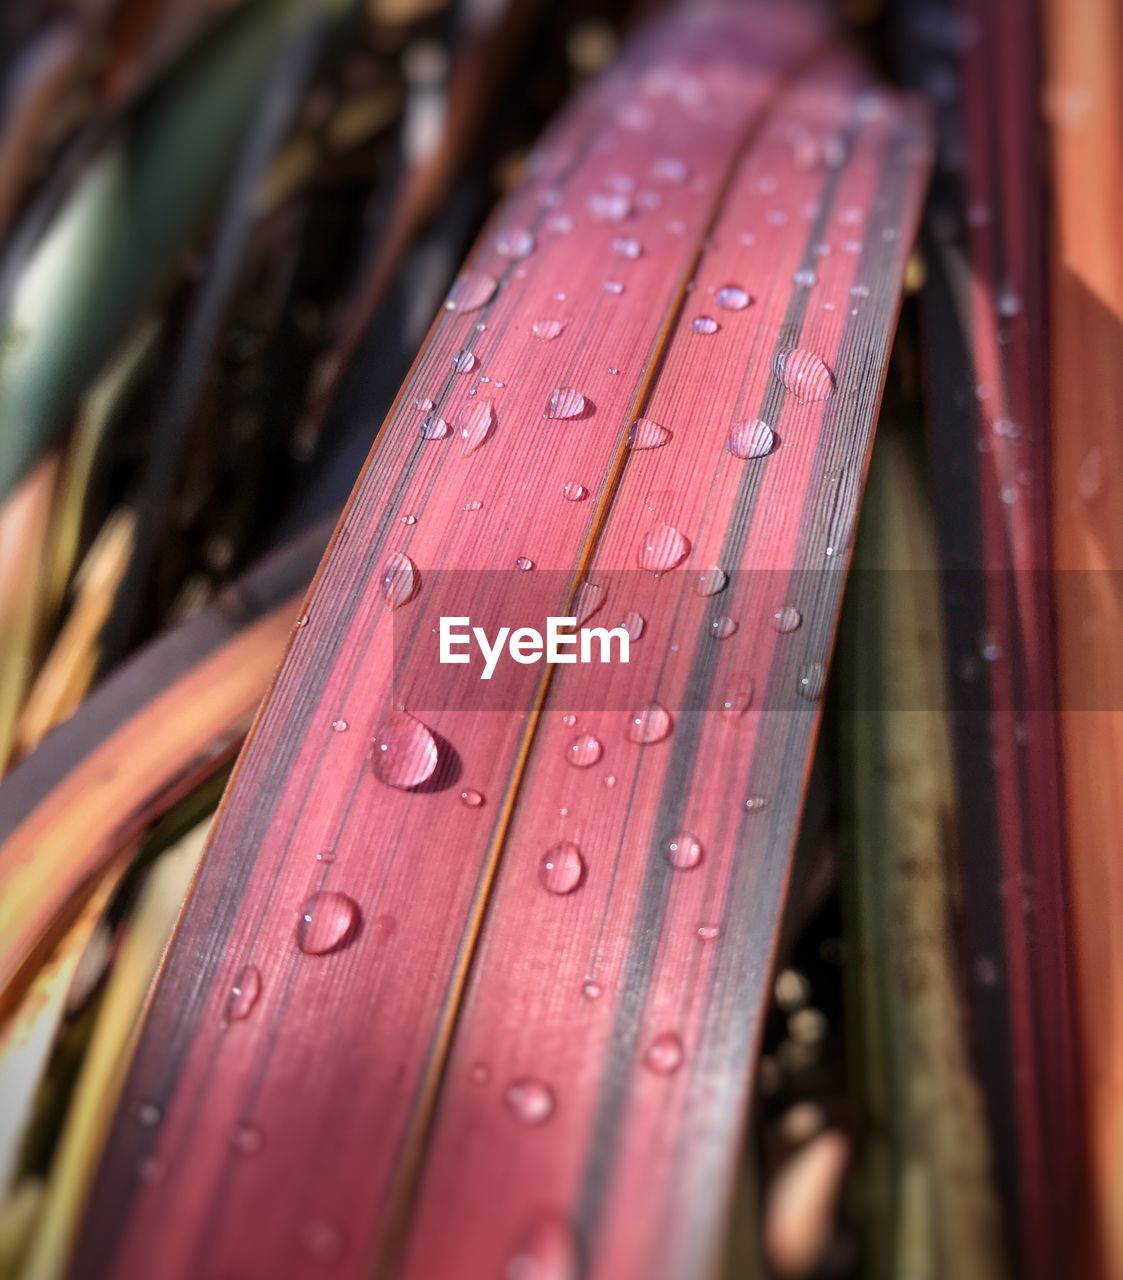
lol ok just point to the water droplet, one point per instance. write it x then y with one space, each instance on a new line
339 725
732 297
471 799
243 994
592 990
738 697
475 424
804 374
470 291
247 1139
530 1101
754 804
634 624
302 621
399 579
587 599
664 1055
323 1241
670 169
562 868
627 247
480 1073
722 627
704 324
328 921
433 427
569 719
610 781
515 242
606 206
684 851
615 287
709 932
786 619
812 681
423 403
645 434
546 1250
561 223
649 724
584 751
463 361
710 581
547 330
409 519
573 491
751 439
473 504
662 548
403 751
565 402
524 563
805 277
859 291
148 1114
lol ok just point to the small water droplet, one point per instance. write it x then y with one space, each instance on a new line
243 994
339 725
649 724
1008 302
645 434
524 563
754 804
399 580
709 932
859 291
323 1241
634 624
732 297
403 751
471 291
614 287
471 799
569 719
751 439
463 361
610 781
573 491
480 1073
710 581
409 519
530 1101
515 242
738 697
665 1054
247 1139
805 277
722 627
592 990
565 402
606 206
662 548
423 403
328 921
475 424
786 619
148 1114
704 324
812 681
560 223
562 868
546 1250
684 851
670 169
433 427
547 330
473 504
584 751
804 374
627 247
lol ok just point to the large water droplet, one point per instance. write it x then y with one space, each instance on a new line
684 851
403 751
530 1101
662 548
547 1250
732 297
562 868
710 581
585 750
515 242
704 324
804 374
787 619
328 921
565 402
470 291
475 423
573 491
243 994
547 330
399 580
664 1055
812 681
645 434
649 724
752 439
627 247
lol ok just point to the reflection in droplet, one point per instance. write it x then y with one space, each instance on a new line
584 751
339 725
684 851
665 1054
474 424
463 362
403 751
243 994
470 291
649 724
399 581
328 921
565 402
562 868
615 287
804 374
662 548
530 1101
645 434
